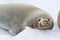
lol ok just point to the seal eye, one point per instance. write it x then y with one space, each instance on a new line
38 19
48 19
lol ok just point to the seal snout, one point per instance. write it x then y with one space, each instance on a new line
45 22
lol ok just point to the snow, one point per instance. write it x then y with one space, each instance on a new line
51 6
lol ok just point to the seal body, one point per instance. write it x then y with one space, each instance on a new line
17 16
58 19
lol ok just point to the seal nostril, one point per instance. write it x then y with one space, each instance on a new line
46 21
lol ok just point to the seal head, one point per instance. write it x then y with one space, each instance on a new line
41 22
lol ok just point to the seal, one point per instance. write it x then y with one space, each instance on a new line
18 16
58 21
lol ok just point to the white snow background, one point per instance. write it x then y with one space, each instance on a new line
51 6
